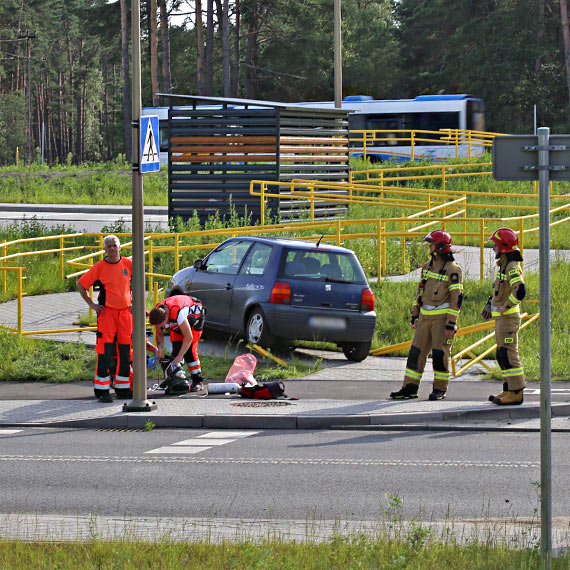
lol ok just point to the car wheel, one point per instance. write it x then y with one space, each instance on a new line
356 351
257 330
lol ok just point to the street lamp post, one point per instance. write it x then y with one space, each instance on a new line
337 56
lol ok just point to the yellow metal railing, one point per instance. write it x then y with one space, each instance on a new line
473 358
457 143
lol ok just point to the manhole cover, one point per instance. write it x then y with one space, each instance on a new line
261 404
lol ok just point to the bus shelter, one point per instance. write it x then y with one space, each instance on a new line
217 146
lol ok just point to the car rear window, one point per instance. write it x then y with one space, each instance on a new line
320 265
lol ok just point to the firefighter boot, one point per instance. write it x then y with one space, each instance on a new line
103 396
505 389
408 392
437 395
197 380
511 398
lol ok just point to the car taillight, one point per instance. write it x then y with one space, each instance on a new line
367 300
281 293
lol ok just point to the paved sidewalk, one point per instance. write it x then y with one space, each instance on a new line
353 395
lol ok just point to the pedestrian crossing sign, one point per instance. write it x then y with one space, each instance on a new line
149 152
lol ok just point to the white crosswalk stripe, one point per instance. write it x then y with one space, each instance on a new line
202 442
9 431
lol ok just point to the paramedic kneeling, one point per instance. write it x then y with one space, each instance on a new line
184 317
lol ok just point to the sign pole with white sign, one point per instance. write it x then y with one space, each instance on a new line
139 403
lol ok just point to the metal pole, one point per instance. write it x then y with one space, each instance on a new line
139 403
43 140
545 400
337 56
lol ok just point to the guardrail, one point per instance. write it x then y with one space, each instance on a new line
457 143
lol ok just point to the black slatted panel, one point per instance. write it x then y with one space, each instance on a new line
214 153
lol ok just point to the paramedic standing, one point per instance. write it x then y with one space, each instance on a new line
184 317
435 311
112 275
503 306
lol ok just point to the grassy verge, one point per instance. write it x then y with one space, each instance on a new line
30 359
340 552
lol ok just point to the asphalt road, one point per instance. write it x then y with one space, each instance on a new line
278 474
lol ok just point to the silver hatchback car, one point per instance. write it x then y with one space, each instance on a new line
279 288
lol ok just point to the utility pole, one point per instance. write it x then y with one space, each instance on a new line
27 35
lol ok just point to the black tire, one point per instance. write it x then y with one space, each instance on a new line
356 351
257 330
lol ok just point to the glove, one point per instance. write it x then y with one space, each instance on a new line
151 362
414 320
486 312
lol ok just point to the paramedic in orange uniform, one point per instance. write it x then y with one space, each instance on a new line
112 276
184 316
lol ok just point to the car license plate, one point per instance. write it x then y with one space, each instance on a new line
332 323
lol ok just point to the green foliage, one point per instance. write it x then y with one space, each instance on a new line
46 361
341 551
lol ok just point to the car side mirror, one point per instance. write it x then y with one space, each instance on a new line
198 264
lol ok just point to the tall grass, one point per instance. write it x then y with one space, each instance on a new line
340 552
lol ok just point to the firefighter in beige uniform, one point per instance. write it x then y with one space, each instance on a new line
503 306
435 311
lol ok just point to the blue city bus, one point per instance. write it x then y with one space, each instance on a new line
432 127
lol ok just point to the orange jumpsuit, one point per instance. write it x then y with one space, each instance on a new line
114 322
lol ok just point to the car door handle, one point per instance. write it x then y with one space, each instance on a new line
229 286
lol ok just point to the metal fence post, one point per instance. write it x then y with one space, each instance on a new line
545 396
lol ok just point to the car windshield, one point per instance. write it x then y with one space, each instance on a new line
318 264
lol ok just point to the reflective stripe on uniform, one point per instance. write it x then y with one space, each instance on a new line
513 299
192 366
453 312
509 311
512 372
442 309
102 382
456 286
438 375
437 276
122 383
413 374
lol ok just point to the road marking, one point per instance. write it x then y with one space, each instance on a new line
536 391
202 442
459 463
9 431
174 450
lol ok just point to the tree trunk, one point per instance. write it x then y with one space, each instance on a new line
566 38
126 83
153 50
226 47
251 55
209 67
235 75
200 50
165 41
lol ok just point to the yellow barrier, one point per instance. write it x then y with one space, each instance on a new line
474 359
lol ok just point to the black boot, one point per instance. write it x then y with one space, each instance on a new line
437 395
197 380
499 396
408 392
103 396
124 393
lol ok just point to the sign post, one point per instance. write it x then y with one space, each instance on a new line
527 157
139 403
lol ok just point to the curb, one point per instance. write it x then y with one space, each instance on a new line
405 421
80 209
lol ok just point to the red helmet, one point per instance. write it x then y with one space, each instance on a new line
441 239
506 239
